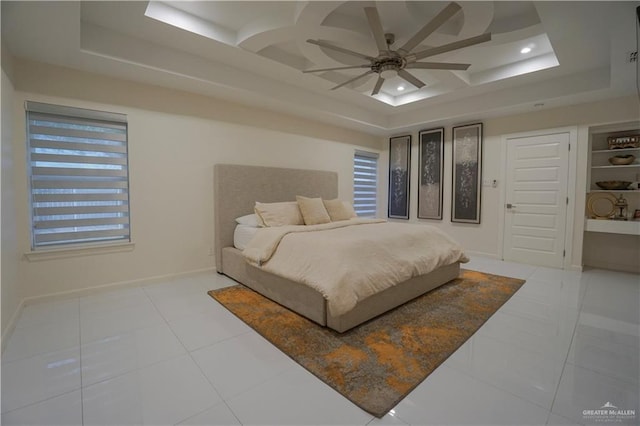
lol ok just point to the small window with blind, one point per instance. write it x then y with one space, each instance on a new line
79 181
365 183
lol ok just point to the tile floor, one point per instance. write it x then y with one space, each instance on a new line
169 354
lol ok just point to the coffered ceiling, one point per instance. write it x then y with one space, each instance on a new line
255 52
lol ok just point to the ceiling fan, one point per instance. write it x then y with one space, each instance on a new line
392 62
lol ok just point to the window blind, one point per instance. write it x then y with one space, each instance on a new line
79 181
365 183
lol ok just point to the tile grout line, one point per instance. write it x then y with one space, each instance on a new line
80 362
40 401
564 365
196 364
224 401
509 392
3 365
602 373
165 322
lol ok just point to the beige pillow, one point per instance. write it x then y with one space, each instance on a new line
313 211
339 210
278 214
350 209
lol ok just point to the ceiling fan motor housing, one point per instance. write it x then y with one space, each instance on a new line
388 67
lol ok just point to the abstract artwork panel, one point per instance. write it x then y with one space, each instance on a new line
399 173
467 166
430 173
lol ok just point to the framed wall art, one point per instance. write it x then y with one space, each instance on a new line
430 174
399 173
467 167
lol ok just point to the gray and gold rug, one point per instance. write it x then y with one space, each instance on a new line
376 364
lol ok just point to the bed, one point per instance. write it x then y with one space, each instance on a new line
238 187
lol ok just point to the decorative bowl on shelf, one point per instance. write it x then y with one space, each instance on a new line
622 160
613 185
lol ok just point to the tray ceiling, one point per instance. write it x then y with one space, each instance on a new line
255 52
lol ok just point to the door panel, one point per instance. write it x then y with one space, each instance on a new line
536 191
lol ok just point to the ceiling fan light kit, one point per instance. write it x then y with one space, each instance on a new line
391 63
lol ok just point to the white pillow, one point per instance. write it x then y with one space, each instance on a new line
279 214
242 235
248 220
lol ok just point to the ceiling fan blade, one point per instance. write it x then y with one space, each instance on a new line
449 47
442 17
410 78
339 49
339 68
352 80
376 28
378 86
438 66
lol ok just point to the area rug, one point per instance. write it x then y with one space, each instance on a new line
376 364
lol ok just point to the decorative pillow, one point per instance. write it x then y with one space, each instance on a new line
248 220
313 211
349 207
339 210
279 214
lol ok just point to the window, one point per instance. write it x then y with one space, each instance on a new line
365 183
79 181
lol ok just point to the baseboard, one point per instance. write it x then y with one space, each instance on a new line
621 267
577 268
483 254
109 287
12 325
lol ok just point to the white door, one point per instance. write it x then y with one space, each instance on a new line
536 199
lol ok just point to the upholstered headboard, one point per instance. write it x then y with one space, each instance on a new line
236 188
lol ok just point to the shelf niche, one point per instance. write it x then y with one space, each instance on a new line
612 244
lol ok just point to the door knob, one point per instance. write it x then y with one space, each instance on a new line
510 206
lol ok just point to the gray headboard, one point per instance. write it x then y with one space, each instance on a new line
236 188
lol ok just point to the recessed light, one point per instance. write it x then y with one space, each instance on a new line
525 50
400 88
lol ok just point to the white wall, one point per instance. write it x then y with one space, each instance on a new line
485 238
176 137
171 155
477 239
10 289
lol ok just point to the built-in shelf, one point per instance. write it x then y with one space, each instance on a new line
617 167
609 151
620 191
628 227
607 243
601 170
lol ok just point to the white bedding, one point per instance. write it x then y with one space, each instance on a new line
350 260
242 235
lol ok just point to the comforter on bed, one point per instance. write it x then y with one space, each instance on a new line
350 260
